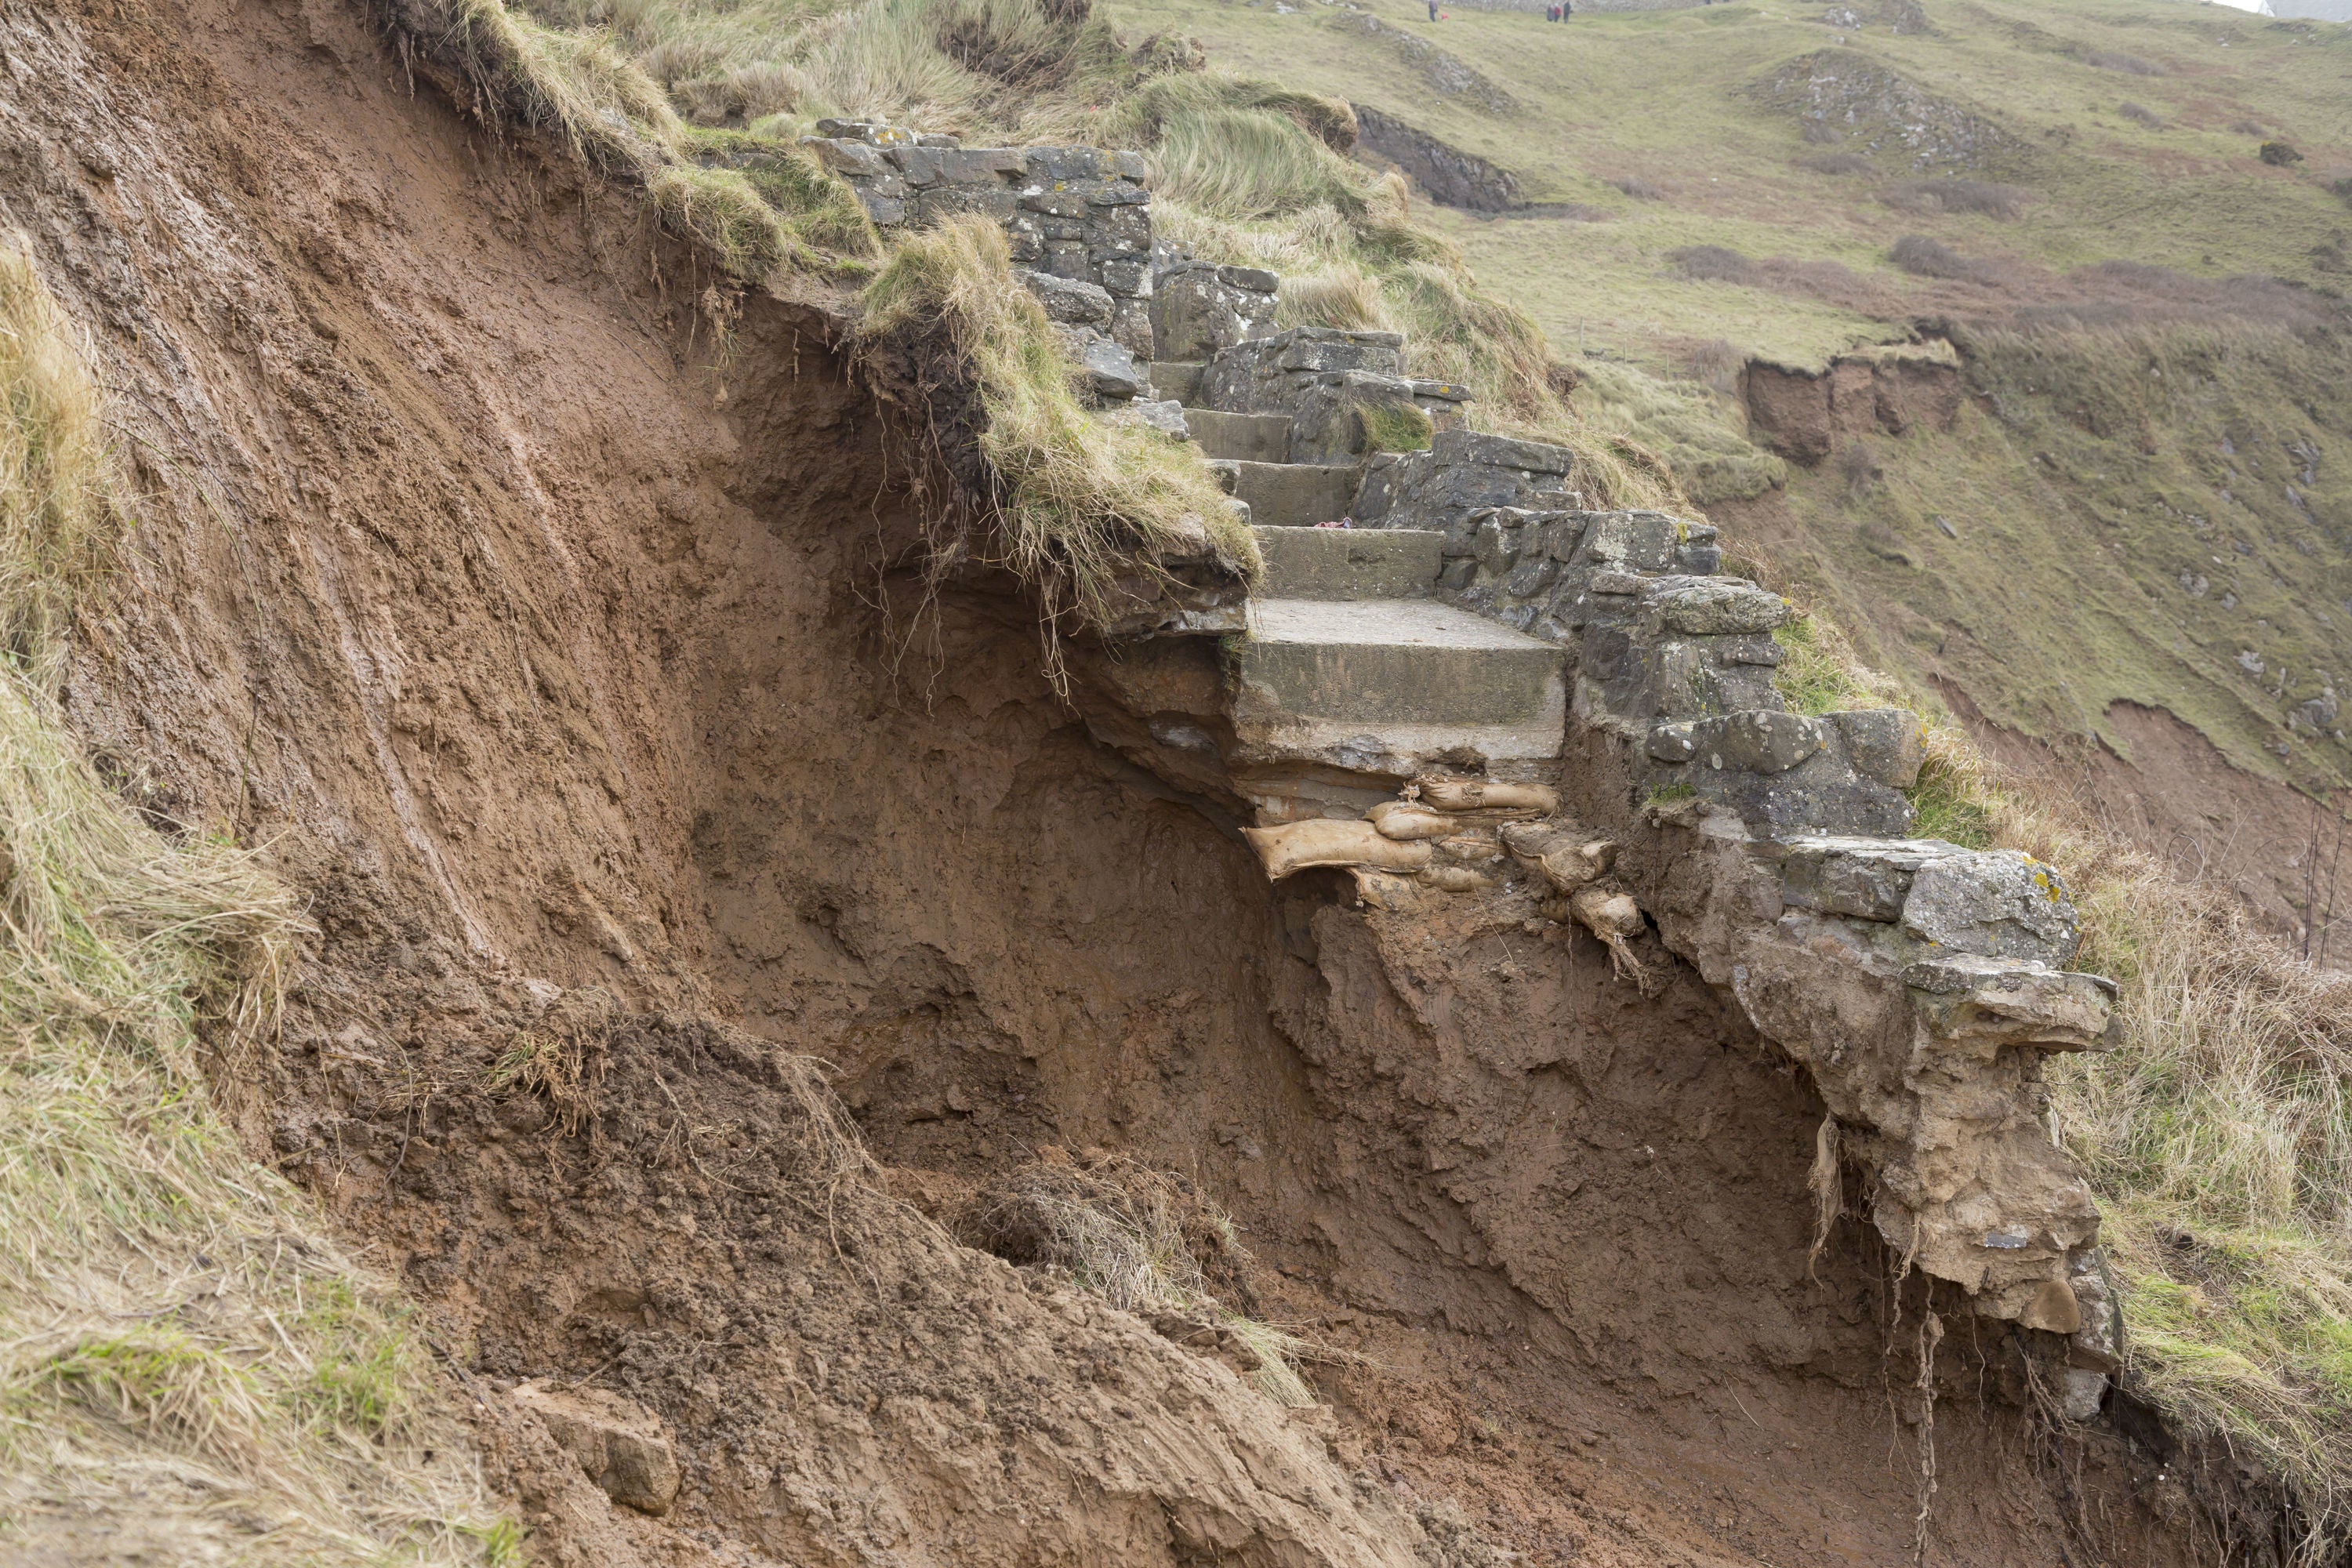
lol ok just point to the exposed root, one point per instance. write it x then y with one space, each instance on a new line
1609 914
1931 1335
1827 1184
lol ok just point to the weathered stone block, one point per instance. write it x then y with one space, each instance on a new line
1987 1003
1050 201
1051 164
1121 232
1502 451
1070 299
1532 576
1111 371
1867 878
855 160
1499 543
1165 415
1722 607
1196 311
1130 324
1755 742
1999 903
617 1443
1632 541
1117 193
936 203
1888 744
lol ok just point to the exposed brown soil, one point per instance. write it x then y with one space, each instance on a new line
567 665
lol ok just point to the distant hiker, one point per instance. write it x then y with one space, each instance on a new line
1433 10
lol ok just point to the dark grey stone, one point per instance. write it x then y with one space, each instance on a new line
1070 299
1888 744
1501 451
1112 370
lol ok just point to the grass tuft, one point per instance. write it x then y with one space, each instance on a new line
1080 499
1147 1242
1395 427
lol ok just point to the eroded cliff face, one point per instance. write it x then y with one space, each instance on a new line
576 671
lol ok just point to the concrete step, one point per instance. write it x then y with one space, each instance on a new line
1176 378
1349 563
1244 438
1378 684
1296 495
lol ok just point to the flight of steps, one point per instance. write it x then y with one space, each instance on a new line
1353 678
1349 667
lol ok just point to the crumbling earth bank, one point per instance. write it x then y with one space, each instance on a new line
565 665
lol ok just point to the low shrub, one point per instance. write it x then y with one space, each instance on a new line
2129 65
1982 198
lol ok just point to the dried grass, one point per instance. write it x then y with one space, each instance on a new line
1984 198
2117 60
1079 497
183 1353
582 90
1147 1242
1831 281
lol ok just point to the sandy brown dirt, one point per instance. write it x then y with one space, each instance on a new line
549 655
2174 792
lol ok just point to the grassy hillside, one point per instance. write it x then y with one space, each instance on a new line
2150 495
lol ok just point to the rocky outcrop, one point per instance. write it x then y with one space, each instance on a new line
1444 174
1843 98
1803 413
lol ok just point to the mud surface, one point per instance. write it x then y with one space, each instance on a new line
571 671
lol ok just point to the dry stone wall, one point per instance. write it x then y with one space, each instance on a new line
1077 213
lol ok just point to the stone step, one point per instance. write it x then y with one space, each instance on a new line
1389 685
1296 495
1179 379
1244 438
1348 562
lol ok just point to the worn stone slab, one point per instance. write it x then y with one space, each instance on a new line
1244 438
1296 495
1320 680
1501 452
1335 564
